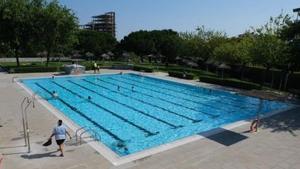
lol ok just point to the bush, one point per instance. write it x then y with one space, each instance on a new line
34 69
230 82
143 69
181 75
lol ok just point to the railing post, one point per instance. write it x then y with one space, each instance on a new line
26 123
23 119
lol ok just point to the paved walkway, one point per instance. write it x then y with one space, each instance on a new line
275 146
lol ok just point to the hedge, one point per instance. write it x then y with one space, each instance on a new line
230 82
34 69
181 75
143 69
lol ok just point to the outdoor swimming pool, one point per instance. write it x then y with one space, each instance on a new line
133 113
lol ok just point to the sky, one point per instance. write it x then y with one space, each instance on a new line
230 16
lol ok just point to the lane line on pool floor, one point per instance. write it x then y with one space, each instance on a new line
149 133
172 83
191 94
181 97
139 111
142 101
83 115
180 105
145 88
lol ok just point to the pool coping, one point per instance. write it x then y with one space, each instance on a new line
114 158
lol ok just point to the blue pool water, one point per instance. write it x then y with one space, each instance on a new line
140 112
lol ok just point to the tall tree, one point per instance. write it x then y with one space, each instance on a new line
291 34
33 25
15 26
95 42
244 51
58 25
202 43
270 50
165 42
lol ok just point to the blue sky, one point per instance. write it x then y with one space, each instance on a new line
230 16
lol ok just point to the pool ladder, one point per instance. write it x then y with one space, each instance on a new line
82 130
14 79
26 102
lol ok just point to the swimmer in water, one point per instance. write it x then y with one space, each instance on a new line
118 88
89 97
122 145
132 88
54 94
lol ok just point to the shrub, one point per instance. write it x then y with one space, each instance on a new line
143 69
230 82
34 69
181 75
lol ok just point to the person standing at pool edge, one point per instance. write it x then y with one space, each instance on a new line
60 132
95 67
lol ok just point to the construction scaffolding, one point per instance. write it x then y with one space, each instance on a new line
103 23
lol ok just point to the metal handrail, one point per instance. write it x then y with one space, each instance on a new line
95 135
13 79
80 138
28 102
26 123
23 118
77 131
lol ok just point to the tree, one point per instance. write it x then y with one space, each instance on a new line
57 26
166 42
244 51
270 50
226 52
95 42
202 43
140 42
291 34
29 26
15 27
193 45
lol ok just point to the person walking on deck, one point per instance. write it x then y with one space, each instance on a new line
60 132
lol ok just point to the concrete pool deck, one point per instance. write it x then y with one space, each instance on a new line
276 146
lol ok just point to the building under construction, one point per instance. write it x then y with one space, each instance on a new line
103 23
